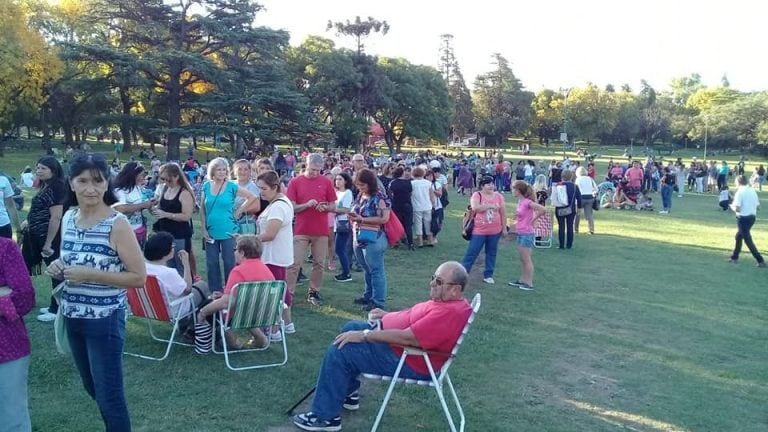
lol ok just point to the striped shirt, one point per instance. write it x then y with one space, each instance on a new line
90 247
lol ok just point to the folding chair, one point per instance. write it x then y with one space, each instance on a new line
150 303
256 305
542 230
437 381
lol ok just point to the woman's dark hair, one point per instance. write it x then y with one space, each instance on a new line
347 180
368 178
398 172
173 169
98 168
126 179
270 178
158 245
485 180
55 167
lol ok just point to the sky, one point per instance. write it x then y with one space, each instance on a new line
557 43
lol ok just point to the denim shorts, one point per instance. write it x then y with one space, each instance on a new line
525 240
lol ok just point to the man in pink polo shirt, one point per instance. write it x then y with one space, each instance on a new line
362 347
313 196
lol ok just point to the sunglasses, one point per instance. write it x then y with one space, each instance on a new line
439 282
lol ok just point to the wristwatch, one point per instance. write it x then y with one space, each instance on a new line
365 334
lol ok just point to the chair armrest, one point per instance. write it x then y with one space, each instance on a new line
409 350
181 300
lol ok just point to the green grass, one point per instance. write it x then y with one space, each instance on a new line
641 327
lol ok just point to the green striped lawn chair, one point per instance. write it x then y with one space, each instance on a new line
254 305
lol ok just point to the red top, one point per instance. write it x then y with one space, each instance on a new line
250 270
635 176
14 342
301 189
437 326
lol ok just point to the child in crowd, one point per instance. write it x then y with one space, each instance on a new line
724 198
645 202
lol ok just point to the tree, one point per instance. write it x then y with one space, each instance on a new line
415 103
654 116
548 113
592 112
502 107
27 64
359 29
461 118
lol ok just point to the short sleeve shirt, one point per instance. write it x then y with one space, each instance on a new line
40 209
301 189
172 285
524 216
488 222
133 196
250 270
279 251
7 192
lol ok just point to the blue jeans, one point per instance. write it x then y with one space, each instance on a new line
371 259
14 410
476 243
666 196
225 249
97 349
499 182
340 369
342 251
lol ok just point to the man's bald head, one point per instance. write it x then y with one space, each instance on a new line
457 272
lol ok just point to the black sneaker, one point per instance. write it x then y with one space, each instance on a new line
301 279
310 422
314 298
352 402
361 301
342 278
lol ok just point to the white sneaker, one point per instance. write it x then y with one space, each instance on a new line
663 212
489 281
290 328
44 310
46 317
275 336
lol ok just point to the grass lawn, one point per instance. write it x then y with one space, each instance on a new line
643 327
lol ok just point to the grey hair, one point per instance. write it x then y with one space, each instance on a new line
459 274
215 163
741 180
315 159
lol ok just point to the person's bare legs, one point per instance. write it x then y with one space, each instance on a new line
526 265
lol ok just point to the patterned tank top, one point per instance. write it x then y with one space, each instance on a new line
90 247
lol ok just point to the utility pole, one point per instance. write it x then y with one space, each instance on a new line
706 132
564 135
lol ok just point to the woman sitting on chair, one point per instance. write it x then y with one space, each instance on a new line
249 268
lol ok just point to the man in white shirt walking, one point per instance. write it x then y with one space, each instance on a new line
745 205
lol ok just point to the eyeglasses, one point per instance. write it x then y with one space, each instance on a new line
439 282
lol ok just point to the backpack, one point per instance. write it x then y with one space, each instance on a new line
560 195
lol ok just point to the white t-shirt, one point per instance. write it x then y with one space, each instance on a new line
528 170
747 201
343 200
170 282
279 251
420 196
437 186
134 196
586 185
6 191
27 179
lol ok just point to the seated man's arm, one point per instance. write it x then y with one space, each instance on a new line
404 337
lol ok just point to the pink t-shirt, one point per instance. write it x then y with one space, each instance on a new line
250 270
436 325
524 216
301 189
635 177
488 222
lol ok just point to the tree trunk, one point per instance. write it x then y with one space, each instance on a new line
68 138
172 152
46 141
125 127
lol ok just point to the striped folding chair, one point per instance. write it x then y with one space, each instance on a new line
542 231
437 382
150 303
254 305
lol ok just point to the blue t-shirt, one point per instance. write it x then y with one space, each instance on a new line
220 211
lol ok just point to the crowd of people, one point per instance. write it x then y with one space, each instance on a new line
88 229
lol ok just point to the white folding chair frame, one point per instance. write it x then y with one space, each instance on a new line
436 381
220 320
180 314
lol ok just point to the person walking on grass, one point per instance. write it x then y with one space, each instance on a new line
745 205
528 211
667 183
490 219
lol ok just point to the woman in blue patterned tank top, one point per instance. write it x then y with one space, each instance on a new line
100 259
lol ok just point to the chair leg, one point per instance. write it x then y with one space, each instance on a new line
456 401
439 389
389 393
